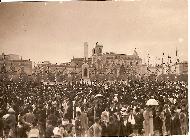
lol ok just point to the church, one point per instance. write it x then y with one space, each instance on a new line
107 65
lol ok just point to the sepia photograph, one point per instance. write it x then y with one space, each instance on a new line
94 69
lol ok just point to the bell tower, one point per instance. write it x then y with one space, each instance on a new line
97 52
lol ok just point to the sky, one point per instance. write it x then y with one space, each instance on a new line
56 31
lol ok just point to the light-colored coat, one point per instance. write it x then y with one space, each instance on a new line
148 123
84 121
184 123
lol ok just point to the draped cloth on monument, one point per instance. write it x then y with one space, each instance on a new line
85 71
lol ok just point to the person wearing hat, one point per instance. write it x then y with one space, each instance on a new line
105 116
125 126
163 118
28 118
49 129
78 125
10 123
158 123
131 118
21 127
167 115
139 121
148 121
175 122
112 125
183 121
84 121
52 118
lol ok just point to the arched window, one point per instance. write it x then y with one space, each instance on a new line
85 72
100 50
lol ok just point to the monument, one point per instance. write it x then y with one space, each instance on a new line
85 66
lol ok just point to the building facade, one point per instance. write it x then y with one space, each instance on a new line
118 65
105 66
13 67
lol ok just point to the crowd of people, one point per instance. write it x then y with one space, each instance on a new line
96 109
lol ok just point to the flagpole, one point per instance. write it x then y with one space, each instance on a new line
168 64
163 64
176 61
148 59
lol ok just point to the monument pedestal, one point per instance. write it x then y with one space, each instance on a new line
87 81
